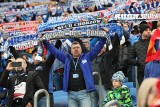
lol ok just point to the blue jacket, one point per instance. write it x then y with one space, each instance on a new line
85 63
2 64
152 69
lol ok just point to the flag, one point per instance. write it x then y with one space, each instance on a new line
151 53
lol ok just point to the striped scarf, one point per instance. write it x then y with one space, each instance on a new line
142 7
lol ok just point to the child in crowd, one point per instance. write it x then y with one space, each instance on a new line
120 92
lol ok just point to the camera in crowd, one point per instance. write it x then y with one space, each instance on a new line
15 64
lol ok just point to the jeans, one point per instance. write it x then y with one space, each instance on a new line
79 98
95 96
42 101
58 81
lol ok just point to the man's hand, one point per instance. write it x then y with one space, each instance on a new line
105 29
119 24
9 67
29 105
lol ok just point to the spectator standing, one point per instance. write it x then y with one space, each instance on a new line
43 69
137 54
78 79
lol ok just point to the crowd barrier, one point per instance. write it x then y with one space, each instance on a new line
36 97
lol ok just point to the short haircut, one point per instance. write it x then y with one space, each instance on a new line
35 50
75 42
25 56
23 60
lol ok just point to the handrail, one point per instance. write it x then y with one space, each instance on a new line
36 97
100 87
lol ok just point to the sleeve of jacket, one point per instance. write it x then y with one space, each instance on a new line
112 55
15 53
126 34
4 81
115 45
58 54
127 99
4 63
132 57
38 82
38 85
51 57
93 42
96 49
146 72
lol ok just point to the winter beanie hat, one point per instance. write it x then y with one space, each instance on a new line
143 28
119 76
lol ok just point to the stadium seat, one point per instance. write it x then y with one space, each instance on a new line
126 79
133 93
60 99
129 84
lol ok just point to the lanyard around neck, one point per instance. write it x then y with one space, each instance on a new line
75 64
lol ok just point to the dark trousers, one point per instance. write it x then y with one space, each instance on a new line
51 100
140 78
131 75
17 102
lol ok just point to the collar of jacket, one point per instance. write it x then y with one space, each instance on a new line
117 89
143 40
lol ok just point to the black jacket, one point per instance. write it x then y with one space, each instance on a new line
139 50
98 66
46 66
110 61
33 83
124 50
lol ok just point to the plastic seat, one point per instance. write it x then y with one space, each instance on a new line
133 94
60 99
126 79
129 84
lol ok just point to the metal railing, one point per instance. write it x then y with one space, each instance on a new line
36 97
100 87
